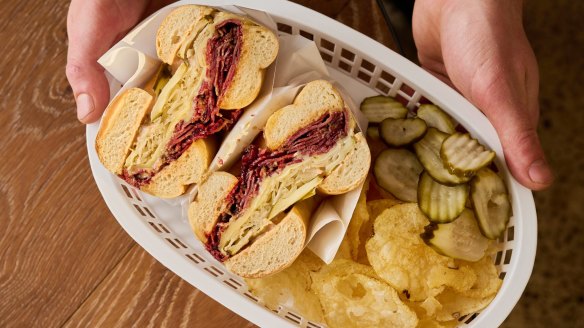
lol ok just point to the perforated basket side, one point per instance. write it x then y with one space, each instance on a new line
353 55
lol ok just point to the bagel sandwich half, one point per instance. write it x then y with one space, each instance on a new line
256 222
162 137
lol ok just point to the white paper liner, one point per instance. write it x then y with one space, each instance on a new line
132 61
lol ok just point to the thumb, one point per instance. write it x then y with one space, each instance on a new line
513 109
93 27
523 153
91 30
90 87
508 95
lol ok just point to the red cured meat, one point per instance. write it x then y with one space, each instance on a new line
222 55
259 163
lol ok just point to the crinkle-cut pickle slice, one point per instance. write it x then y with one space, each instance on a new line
428 151
397 171
490 201
436 118
460 239
378 108
441 203
399 132
464 155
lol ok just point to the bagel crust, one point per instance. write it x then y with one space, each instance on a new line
161 138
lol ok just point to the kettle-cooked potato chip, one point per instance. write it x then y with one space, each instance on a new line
357 300
401 258
431 306
344 251
487 282
431 323
375 207
359 219
426 312
404 264
461 278
455 305
405 220
383 275
341 268
291 287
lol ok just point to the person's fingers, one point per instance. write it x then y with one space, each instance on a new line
510 101
524 155
93 27
90 88
492 64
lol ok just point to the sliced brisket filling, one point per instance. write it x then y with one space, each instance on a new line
222 55
259 163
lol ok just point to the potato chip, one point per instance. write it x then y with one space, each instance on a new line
431 306
401 219
357 300
460 278
291 287
341 268
432 323
360 217
344 251
398 254
309 260
362 255
455 305
426 312
404 265
487 282
375 207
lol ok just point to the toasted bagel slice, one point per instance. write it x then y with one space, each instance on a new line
162 137
249 222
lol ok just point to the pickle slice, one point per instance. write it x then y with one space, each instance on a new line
464 155
428 151
441 203
378 108
402 131
491 203
461 239
436 118
397 171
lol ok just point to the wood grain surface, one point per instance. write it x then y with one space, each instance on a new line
140 292
65 261
64 258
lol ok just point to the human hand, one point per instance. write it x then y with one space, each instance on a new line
480 48
93 27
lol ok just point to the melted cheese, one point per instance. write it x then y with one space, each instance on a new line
280 191
174 104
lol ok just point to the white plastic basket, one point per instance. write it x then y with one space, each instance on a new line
364 67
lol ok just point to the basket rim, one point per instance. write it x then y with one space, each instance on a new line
522 199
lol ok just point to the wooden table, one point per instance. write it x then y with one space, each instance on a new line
65 261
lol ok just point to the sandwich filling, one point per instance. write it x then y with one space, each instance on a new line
272 180
176 122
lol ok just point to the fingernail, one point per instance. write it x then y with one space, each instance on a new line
85 106
539 172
